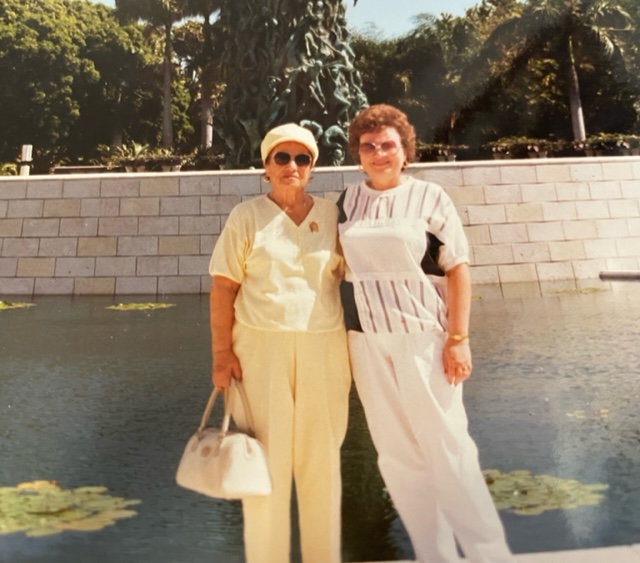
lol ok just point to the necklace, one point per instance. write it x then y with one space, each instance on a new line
295 207
297 212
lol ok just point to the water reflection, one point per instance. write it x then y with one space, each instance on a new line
96 397
536 362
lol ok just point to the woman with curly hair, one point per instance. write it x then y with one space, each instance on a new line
407 299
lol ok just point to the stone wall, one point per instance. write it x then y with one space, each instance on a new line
539 220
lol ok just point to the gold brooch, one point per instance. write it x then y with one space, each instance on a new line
313 226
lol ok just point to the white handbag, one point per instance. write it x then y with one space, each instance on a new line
221 463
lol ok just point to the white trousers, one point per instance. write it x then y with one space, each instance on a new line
427 458
297 385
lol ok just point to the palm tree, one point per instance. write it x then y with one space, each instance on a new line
568 25
207 64
160 14
452 44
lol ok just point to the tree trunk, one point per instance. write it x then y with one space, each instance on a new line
451 124
117 134
575 102
206 88
167 124
206 117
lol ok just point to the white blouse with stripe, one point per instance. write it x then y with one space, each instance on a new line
397 244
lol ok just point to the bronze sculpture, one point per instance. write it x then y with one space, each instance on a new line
287 60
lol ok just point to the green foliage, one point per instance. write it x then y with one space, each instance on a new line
205 159
609 144
160 15
129 154
8 169
615 139
556 66
71 76
198 45
139 156
124 104
42 508
75 78
132 150
429 72
40 62
6 305
501 70
438 151
164 159
140 306
521 146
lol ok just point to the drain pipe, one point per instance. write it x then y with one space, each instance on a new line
620 276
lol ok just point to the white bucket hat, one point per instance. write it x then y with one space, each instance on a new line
285 133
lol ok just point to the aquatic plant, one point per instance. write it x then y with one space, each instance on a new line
140 306
601 414
578 291
43 508
4 305
530 495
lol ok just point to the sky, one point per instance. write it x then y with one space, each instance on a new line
391 17
395 17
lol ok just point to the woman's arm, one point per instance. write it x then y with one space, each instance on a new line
225 364
456 355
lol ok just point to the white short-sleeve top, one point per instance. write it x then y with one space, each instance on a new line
289 274
398 244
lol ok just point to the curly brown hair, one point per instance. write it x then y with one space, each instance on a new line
377 117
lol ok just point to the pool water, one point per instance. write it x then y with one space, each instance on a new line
90 396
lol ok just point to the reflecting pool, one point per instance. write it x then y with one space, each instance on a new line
91 396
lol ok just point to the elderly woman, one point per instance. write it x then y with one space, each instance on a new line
407 302
276 324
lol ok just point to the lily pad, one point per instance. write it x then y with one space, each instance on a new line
579 291
530 495
4 305
140 306
43 508
600 414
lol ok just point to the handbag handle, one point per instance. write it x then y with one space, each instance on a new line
227 408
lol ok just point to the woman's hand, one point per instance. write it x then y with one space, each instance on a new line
456 355
225 366
456 358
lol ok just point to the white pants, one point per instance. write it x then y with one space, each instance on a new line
297 385
426 456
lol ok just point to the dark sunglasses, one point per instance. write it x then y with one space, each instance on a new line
283 158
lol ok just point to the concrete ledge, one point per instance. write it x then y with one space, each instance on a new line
618 554
527 221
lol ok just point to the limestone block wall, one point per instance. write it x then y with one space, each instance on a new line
546 220
115 234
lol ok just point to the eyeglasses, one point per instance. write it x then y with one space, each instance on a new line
283 158
386 147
